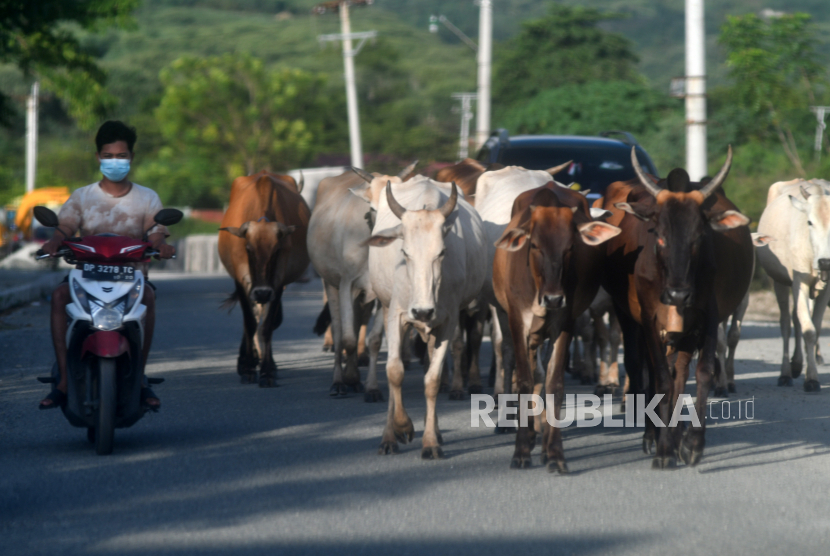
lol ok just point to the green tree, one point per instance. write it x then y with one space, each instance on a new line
37 36
775 68
564 47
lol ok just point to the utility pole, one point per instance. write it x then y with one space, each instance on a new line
466 115
31 137
821 112
484 58
696 159
346 36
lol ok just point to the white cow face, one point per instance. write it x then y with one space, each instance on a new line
817 210
422 233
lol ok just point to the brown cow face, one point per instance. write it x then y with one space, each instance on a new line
263 243
549 236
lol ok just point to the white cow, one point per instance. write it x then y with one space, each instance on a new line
427 263
798 218
338 230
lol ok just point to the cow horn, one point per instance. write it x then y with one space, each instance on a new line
394 205
652 187
408 170
707 189
363 174
556 169
447 208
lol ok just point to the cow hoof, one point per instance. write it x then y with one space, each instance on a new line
268 381
248 378
406 433
690 456
721 392
648 443
503 430
795 368
521 462
785 381
363 360
372 396
812 386
338 390
357 388
731 388
328 347
432 452
558 466
388 447
666 462
456 394
475 389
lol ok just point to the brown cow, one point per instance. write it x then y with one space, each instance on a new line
681 265
262 244
546 272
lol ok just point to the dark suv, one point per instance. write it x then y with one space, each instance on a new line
597 161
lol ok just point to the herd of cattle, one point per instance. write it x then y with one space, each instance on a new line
670 260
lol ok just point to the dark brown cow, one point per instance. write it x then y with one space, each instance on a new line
681 265
262 243
546 272
465 174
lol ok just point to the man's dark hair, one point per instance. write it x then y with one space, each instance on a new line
113 131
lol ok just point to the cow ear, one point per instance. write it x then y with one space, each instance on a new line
238 232
595 233
385 237
361 192
512 239
597 213
759 240
448 222
283 230
727 220
640 210
798 204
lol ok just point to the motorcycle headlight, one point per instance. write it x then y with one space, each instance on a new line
82 296
133 296
106 319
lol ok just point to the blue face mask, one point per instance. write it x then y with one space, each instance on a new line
115 169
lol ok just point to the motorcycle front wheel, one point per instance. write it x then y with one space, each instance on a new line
107 399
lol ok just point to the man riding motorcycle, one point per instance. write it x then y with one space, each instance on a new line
113 205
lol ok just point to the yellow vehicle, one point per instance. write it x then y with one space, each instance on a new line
50 197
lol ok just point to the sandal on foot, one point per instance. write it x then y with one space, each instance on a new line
57 398
148 394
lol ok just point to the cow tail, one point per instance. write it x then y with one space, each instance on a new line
323 321
231 301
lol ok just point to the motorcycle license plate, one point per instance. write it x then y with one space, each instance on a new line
109 272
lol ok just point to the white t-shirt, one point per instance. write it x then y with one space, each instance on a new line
91 211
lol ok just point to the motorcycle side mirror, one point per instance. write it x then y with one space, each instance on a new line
168 216
46 217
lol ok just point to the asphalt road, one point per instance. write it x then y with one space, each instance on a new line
227 468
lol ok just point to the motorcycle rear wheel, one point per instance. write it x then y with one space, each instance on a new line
107 399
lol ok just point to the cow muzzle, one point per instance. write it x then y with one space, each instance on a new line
679 297
824 269
551 302
262 295
422 314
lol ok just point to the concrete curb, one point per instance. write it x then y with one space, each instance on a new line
20 295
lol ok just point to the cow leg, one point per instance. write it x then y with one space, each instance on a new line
525 435
457 387
439 342
720 362
375 340
328 338
588 375
497 363
694 439
782 295
685 352
797 362
271 321
398 424
351 317
365 317
247 362
662 384
553 452
732 339
475 333
601 346
338 387
811 332
505 376
614 341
